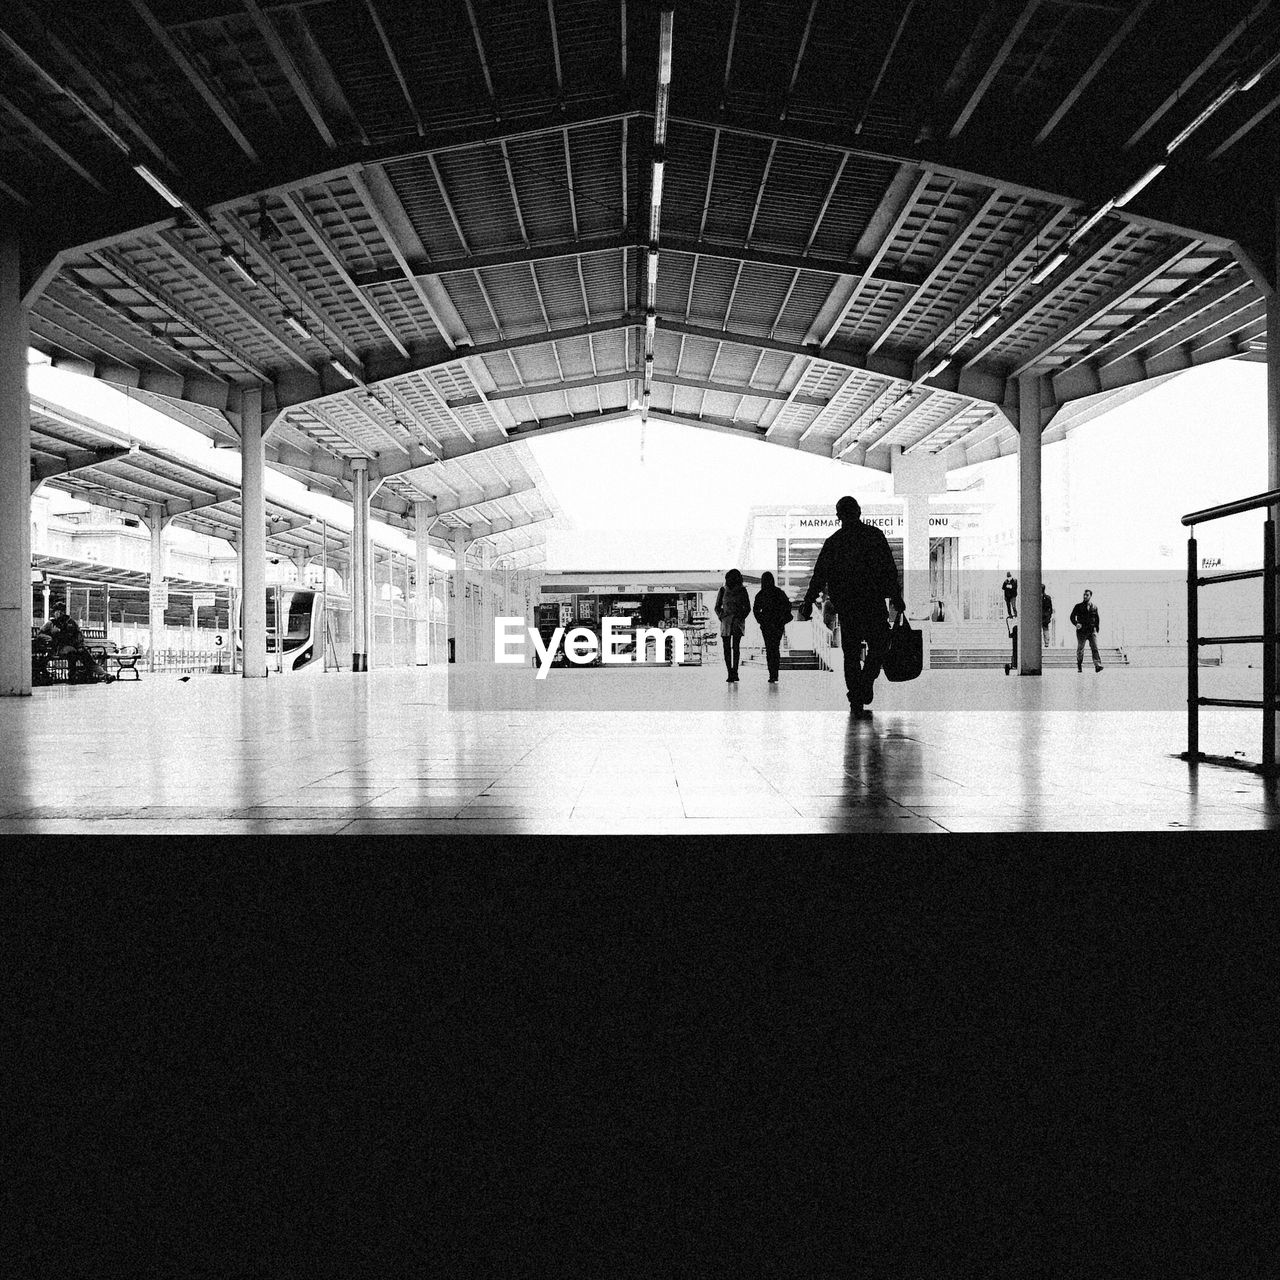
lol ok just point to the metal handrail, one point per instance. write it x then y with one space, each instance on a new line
1268 639
1269 499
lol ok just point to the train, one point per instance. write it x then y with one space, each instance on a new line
300 618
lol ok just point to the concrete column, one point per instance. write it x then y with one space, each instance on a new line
361 577
484 636
253 535
1273 447
15 482
156 523
460 622
422 591
915 555
300 559
1029 525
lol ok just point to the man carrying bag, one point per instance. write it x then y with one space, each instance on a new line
855 567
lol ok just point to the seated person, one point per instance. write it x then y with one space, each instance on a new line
65 641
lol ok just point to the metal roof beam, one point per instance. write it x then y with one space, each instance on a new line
613 243
1151 269
887 240
284 59
295 205
389 238
996 276
50 144
42 468
1180 310
1084 81
194 78
247 309
1002 56
963 407
950 249
135 280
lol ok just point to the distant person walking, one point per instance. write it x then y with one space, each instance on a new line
855 567
1010 588
733 607
1084 617
1046 614
772 611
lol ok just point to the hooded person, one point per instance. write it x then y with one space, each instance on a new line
772 610
733 607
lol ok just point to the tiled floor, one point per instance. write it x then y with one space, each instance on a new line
653 751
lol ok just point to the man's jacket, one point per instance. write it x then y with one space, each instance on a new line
1046 609
1085 617
855 567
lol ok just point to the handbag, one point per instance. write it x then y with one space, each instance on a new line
904 654
831 620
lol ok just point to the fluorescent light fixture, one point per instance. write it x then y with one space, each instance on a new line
241 270
339 367
296 325
937 369
1090 222
1150 176
650 324
1230 91
1248 84
656 197
665 23
985 323
1049 266
653 267
157 186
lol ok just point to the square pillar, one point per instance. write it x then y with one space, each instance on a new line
460 621
361 575
15 481
1030 569
422 579
253 536
156 525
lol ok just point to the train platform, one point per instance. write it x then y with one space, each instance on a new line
416 751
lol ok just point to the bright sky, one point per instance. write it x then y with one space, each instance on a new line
688 499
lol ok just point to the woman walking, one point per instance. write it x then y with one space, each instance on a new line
733 605
772 611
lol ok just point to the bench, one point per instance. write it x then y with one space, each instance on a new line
125 659
49 668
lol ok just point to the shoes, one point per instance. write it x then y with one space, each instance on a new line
1006 668
1080 669
864 713
1098 667
773 679
855 708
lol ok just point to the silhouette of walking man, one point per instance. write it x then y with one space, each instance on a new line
855 567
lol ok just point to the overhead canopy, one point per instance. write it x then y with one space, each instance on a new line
495 499
428 232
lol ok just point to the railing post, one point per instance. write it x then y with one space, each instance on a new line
1269 643
1193 652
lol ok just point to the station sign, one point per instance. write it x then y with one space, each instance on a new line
204 600
159 595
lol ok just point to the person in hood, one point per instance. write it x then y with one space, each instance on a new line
733 607
772 610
